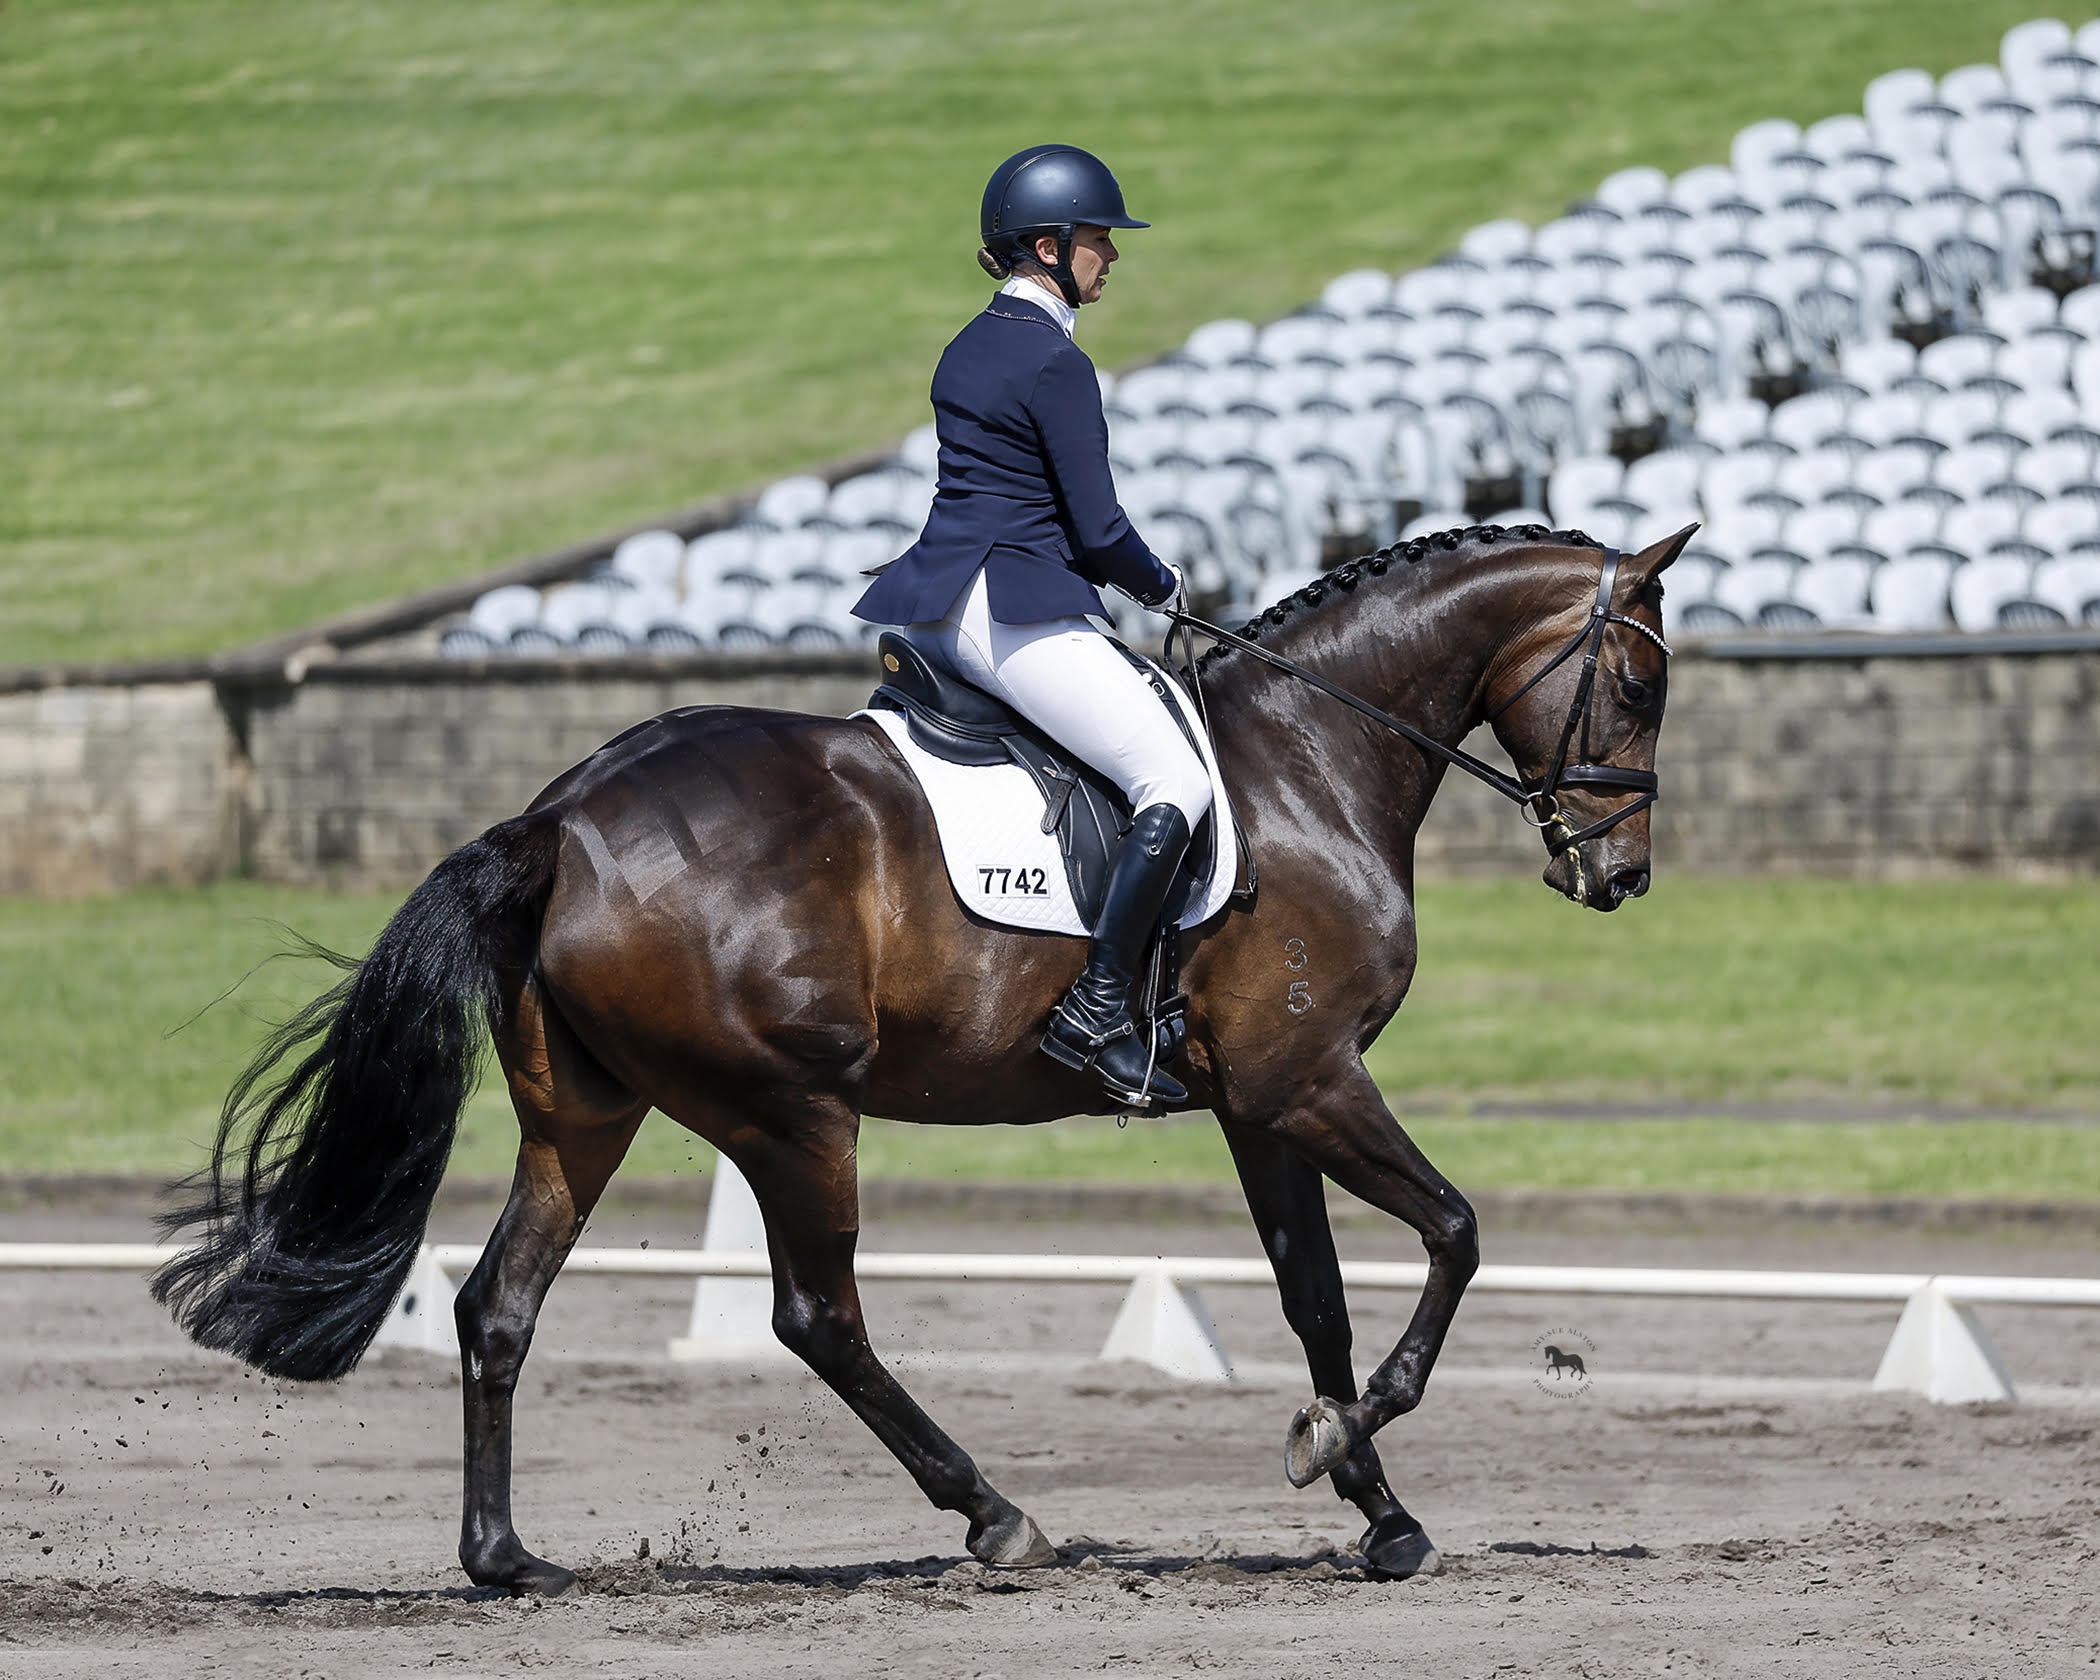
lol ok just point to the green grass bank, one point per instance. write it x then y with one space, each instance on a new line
1949 995
307 304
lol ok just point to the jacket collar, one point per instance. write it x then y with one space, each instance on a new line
1061 313
1017 309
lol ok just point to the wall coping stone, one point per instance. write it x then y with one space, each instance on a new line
313 659
1840 644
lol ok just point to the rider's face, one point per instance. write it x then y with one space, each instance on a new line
1092 252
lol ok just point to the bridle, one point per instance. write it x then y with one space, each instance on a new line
1540 794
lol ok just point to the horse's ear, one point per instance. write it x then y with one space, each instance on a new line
1650 563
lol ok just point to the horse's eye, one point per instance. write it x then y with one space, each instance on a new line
1633 691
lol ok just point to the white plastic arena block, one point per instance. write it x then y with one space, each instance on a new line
732 1317
1166 1326
1939 1350
421 1316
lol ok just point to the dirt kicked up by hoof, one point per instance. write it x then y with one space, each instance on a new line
1317 1442
1013 1543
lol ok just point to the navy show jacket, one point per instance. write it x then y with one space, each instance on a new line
1025 489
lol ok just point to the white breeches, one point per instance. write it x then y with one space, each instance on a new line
1064 677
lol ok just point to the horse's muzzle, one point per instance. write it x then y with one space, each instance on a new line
1573 876
1621 885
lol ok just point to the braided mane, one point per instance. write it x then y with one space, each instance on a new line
1345 577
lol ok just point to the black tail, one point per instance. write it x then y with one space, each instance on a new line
304 1245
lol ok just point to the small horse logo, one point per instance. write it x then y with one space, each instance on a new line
1557 1362
1567 1353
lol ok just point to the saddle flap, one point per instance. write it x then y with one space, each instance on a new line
962 725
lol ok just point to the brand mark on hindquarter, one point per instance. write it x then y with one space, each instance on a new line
1298 999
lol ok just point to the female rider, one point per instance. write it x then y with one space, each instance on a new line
1000 588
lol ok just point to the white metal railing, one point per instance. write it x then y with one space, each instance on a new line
1938 1350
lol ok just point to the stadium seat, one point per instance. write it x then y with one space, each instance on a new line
1635 192
2059 470
2014 314
1816 533
650 559
2071 585
1809 420
1362 290
1904 528
1218 343
1580 483
790 501
1876 364
921 451
1983 528
1990 594
1755 590
2024 53
1910 594
500 612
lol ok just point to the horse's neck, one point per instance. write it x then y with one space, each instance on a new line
1306 766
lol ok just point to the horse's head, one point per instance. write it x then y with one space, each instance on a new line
1577 702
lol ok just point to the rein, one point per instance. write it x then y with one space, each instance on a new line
1540 794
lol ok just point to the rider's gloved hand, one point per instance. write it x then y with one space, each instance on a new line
1177 592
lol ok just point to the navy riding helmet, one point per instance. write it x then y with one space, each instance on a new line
1047 189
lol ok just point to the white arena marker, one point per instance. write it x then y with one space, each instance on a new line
1939 1350
1166 1326
732 1317
421 1316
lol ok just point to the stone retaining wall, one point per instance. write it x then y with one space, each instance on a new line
368 776
106 786
1866 759
1867 766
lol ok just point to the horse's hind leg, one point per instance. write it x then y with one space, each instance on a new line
805 1184
1289 1204
577 1123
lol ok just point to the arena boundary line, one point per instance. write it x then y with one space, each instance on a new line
1939 1349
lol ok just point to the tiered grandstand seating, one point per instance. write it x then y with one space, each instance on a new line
1866 356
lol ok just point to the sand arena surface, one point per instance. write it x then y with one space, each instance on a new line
169 1514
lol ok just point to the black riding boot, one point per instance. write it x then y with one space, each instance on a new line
1092 1027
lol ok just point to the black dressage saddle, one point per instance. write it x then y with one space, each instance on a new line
965 725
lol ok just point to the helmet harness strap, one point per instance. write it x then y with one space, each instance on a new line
1067 282
1000 264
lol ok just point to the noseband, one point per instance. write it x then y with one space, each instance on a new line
1541 793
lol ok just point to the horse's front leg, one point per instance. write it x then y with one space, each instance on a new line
1288 1200
1345 1130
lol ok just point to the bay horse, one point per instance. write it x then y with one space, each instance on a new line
741 918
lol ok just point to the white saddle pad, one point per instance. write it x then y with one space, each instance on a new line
1004 867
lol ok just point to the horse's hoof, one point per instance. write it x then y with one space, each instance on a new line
542 1580
1399 1551
1012 1542
1318 1442
522 1574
